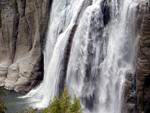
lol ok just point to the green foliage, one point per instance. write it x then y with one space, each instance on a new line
64 105
30 111
76 107
2 107
54 107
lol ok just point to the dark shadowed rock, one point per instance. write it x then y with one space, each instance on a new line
143 65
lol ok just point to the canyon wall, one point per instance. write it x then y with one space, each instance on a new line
23 25
143 64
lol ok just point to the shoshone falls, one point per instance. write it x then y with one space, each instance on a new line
90 48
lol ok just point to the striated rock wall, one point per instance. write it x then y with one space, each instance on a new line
23 25
143 65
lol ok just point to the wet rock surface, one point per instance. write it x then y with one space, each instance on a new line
137 85
143 65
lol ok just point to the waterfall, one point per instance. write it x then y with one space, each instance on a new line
102 55
90 47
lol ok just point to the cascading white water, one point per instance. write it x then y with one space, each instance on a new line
119 60
102 38
48 89
103 55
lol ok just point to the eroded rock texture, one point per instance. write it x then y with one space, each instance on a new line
143 65
23 25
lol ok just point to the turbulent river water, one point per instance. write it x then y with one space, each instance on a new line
90 48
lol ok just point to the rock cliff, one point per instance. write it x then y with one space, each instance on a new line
137 88
143 65
23 25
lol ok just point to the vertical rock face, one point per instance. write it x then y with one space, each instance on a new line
143 65
23 25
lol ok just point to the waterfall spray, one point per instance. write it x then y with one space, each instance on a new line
102 52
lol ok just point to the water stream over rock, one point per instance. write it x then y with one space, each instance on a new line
90 47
